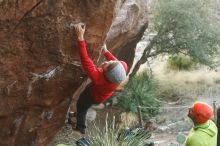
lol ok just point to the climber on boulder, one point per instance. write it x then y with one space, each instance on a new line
104 79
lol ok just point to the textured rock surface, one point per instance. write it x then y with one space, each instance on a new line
128 28
39 64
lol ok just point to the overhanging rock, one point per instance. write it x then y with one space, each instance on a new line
40 69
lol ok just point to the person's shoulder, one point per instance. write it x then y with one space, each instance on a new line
196 136
195 140
212 124
100 77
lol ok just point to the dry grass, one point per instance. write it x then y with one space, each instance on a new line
127 119
200 82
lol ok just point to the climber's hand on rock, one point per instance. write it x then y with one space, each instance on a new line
80 30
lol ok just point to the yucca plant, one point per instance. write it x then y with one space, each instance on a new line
111 135
140 90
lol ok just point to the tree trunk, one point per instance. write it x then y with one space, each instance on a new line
145 54
137 66
143 58
218 125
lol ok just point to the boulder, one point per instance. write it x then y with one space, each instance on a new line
127 29
40 70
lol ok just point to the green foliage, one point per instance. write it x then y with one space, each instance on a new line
180 62
140 90
112 136
188 26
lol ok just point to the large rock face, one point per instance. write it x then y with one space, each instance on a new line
40 69
128 28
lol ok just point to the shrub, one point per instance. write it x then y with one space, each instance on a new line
140 90
180 62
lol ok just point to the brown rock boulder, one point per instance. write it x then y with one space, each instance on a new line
40 69
128 29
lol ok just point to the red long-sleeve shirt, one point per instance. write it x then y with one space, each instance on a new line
100 89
